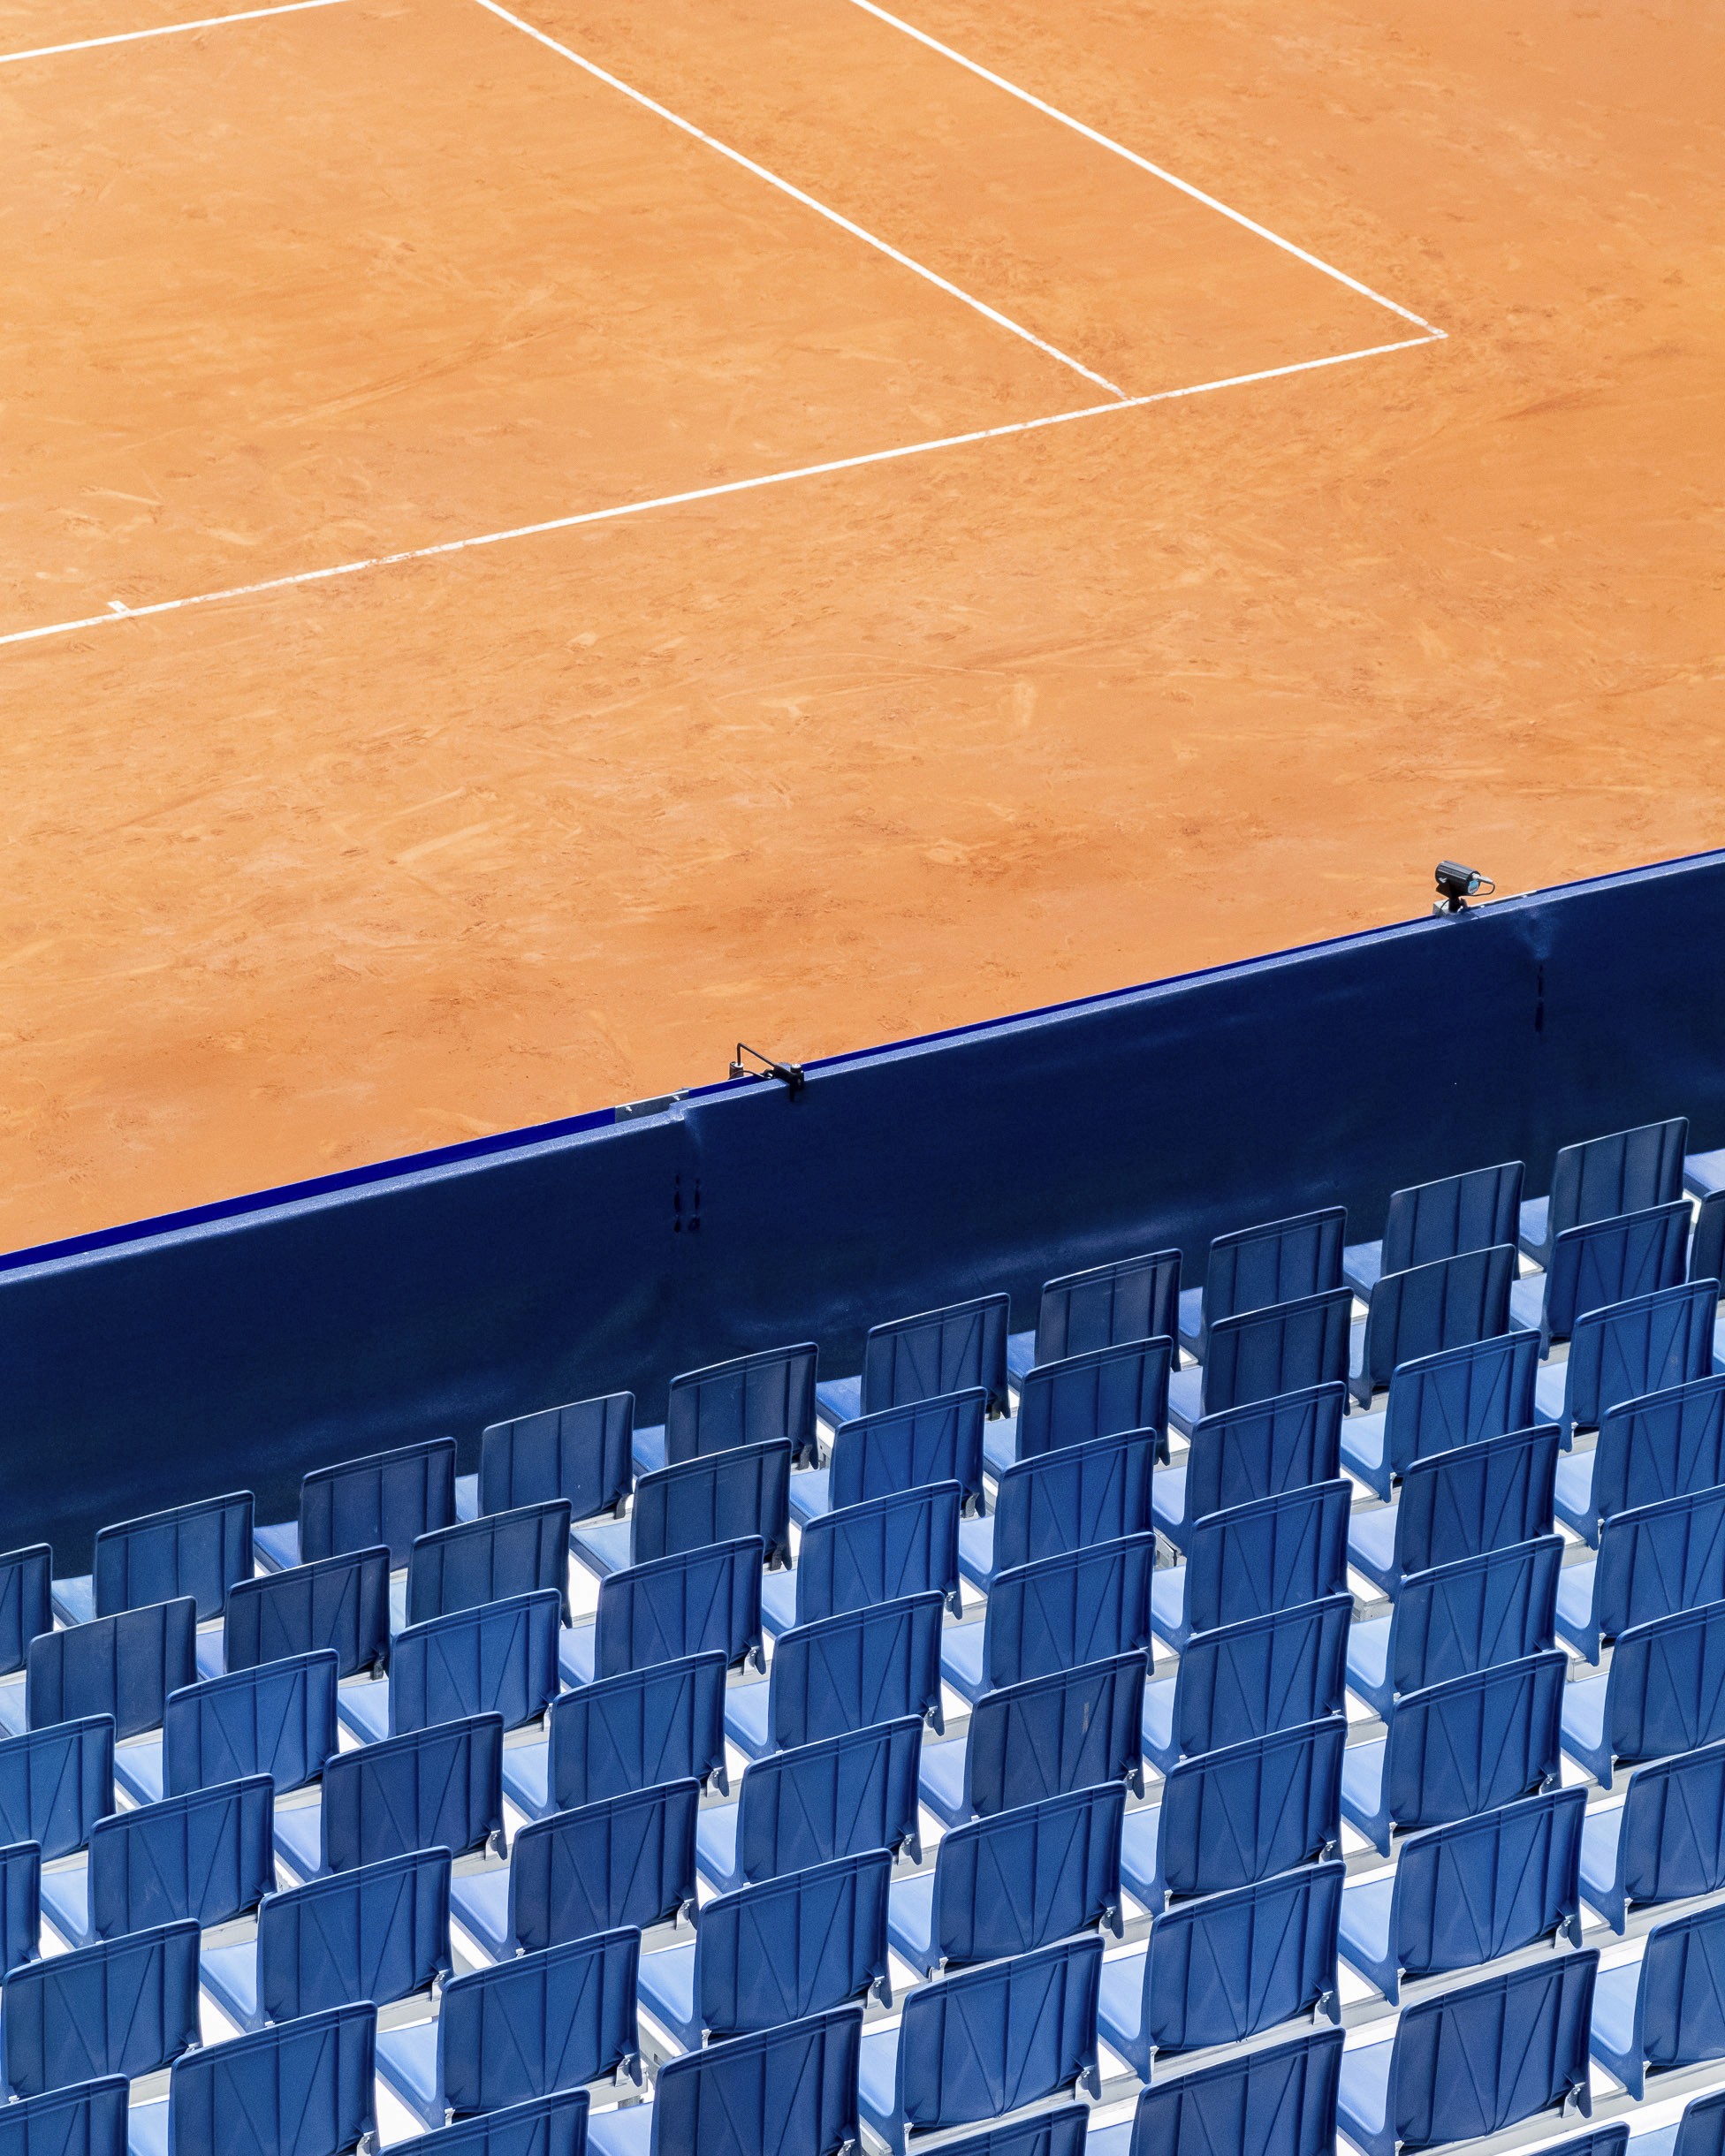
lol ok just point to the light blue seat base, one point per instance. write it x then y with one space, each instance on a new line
777 1601
147 2130
1109 2140
1139 1834
1021 1356
811 1494
1363 1938
1362 1791
1364 1448
365 1708
1363 1266
275 1544
139 1770
1190 1320
526 1774
976 1551
715 1846
1527 1302
1601 1829
839 1400
1535 1232
1167 1503
1704 1172
1371 1547
229 1974
74 1599
647 1446
1368 1663
1000 1443
1573 1499
408 2062
467 1497
605 1546
941 1782
962 1664
1167 1606
1611 2038
1161 1748
878 2085
1582 1730
211 1656
745 1718
910 1920
1551 1390
1119 2008
479 1902
1576 1620
65 1902
666 1988
626 2129
13 1718
577 1653
1185 1399
1363 2097
299 1839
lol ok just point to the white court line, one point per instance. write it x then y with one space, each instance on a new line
796 195
119 612
1144 164
166 29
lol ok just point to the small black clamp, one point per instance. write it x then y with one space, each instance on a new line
789 1075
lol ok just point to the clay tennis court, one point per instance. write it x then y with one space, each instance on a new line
722 520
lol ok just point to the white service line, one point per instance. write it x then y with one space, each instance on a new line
118 611
1157 171
166 29
808 202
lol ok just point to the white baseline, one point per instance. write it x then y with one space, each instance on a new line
166 29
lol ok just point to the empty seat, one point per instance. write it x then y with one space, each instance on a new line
1277 1261
1274 1553
750 1400
1261 1353
208 1855
793 2088
339 1602
433 1789
125 2006
905 1543
1279 2101
842 1673
1706 1241
714 1498
20 1904
1079 1606
1059 2132
1467 1745
1014 1881
986 2041
198 1550
1073 1729
487 1559
1488 1496
626 1732
1664 1692
1064 1500
898 1449
553 2125
498 1659
581 1451
914 1358
1653 1561
1666 1841
89 2119
1132 1299
1700 2131
1239 1815
1470 1212
1604 1262
1668 2009
1246 1680
1100 1394
387 1499
1667 1445
1623 1172
818 1803
1474 2060
1630 1348
55 1784
1438 1402
286 2092
1703 1174
1458 1618
1260 1450
25 1610
277 1718
1467 1893
123 1666
673 1608
1225 1968
1450 1303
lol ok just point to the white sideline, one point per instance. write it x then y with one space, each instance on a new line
119 612
166 29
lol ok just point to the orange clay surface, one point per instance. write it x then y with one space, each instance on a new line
323 873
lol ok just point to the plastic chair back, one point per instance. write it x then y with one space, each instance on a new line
1082 1606
1664 1445
438 1788
1264 1448
1133 1298
1098 1394
627 1860
1233 1817
631 1731
388 1499
1277 1261
717 1497
20 1904
1462 1396
1481 2056
210 1855
676 1607
125 2006
1069 1499
301 2090
86 2121
581 1451
1261 1353
1072 1729
27 1607
1624 1172
1015 1882
339 1602
123 1666
1279 2101
1246 1680
751 1399
1446 1303
498 1659
1272 1554
794 1946
1474 1612
556 2019
1661 1559
277 1718
198 1550
380 1932
1222 1969
1666 1688
56 1783
793 2087
1488 1496
876 1552
904 1449
992 2039
1603 1262
1457 1213
1706 1241
849 1671
938 1351
489 1559
553 2125
829 1800
1474 1742
1466 1893
1643 1345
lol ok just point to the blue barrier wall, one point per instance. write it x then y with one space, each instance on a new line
238 1346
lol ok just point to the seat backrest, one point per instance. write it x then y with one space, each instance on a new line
905 1543
438 1788
125 2006
1461 1396
1481 2056
646 1726
830 1800
681 1605
1059 2132
1279 1349
125 1665
1466 1893
851 1671
86 2121
1701 2129
1643 1345
198 1550
1663 1445
1474 1742
1072 1729
1457 1213
379 1932
56 1783
1446 1303
793 2087
1006 2033
1623 1172
1277 1261
580 1451
716 1497
498 1659
793 1945
388 1499
1706 1243
751 1399
1671 1843
1245 1680
1241 1814
1608 1261
1264 1448
1080 1606
1223 1968
277 1718
1272 1554
1659 1559
20 1904
626 1860
938 1351
1279 2101
1012 1883
340 1602
26 1606
487 1559
1098 1394
303 2089
1666 1687
1477 1497
1133 1298
210 1855
1474 1612
1068 1498
902 1448
556 2019
553 2125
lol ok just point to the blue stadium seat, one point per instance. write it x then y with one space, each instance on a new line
625 1860
1279 2101
1481 1497
797 1945
790 2090
1603 1262
387 1499
920 1357
1014 1881
26 1612
749 1399
339 1602
277 1718
1666 1841
1663 1692
379 1932
125 2005
55 1784
1474 2060
20 1904
1700 2131
1467 1893
1132 1299
488 1559
1706 1243
905 1543
432 1789
1277 1261
1261 1353
985 2041
1099 1394
1260 1450
716 1497
123 1666
1630 1348
1059 2132
898 1449
1079 1606
1225 1968
1464 1746
1462 1396
1448 1303
673 1607
553 2125
581 1451
1457 1618
1065 1500
1239 1815
88 2120
1666 1445
1274 1553
1470 1212
1703 1174
208 1855
816 1804
1624 1171
556 2019
627 1732
1653 1561
498 1659
1073 1729
198 1550
842 1673
1249 1680
304 2089
1668 2009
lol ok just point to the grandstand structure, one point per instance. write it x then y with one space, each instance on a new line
1146 1579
